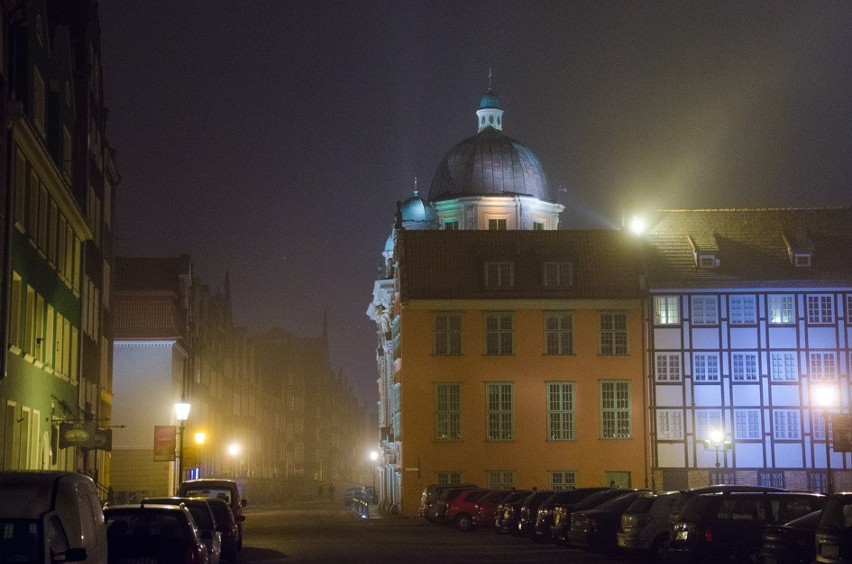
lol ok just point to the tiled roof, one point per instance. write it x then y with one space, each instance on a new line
450 264
753 247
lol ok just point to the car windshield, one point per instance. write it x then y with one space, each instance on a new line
19 540
204 491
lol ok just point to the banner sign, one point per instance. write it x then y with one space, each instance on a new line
842 429
84 434
164 442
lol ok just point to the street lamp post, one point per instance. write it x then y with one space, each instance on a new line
825 397
181 414
374 456
718 443
234 451
200 437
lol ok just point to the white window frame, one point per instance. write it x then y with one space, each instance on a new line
613 333
666 310
668 367
500 411
704 310
447 411
670 424
820 309
822 365
705 367
501 479
742 309
615 409
706 421
561 405
558 332
786 424
557 274
744 367
784 366
497 224
563 480
499 333
747 424
499 275
781 309
447 328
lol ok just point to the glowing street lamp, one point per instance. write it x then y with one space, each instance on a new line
181 414
825 397
717 442
234 450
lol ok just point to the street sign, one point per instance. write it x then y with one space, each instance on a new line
841 426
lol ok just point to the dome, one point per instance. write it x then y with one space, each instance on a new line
489 101
418 214
489 163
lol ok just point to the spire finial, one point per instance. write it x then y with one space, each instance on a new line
415 186
489 78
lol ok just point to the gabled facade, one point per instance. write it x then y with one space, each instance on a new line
516 361
748 315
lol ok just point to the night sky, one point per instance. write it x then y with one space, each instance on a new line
272 139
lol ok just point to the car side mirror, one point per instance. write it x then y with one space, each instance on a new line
241 518
71 555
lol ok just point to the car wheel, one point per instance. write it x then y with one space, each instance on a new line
463 522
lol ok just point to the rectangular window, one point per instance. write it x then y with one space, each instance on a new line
707 421
496 224
20 188
615 410
499 275
770 478
742 310
666 310
42 217
823 365
747 424
559 332
704 310
451 225
818 419
51 235
498 333
29 330
705 367
449 478
40 344
67 153
820 309
32 223
785 424
667 367
613 333
744 367
15 313
49 348
501 479
557 274
783 367
560 411
447 412
817 481
447 334
669 424
563 480
62 228
538 226
781 309
500 411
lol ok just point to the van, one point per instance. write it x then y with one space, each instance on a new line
833 538
221 488
51 516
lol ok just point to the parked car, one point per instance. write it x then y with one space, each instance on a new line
485 509
645 525
686 495
153 533
442 504
596 528
205 522
562 511
47 516
227 525
430 495
529 512
792 542
544 516
504 508
833 539
461 506
729 526
222 488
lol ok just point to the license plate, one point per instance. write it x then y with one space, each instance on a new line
622 542
829 550
682 535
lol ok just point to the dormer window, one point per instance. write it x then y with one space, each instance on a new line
707 261
499 275
557 274
802 260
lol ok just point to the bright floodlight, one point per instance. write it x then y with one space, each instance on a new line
182 410
234 449
717 436
637 225
200 437
374 455
824 396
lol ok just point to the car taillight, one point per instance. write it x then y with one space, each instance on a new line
591 523
707 534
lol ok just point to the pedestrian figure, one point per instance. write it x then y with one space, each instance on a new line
331 492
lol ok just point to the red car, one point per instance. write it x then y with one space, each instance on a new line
485 509
461 506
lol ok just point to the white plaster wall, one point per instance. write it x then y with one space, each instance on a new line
671 455
708 395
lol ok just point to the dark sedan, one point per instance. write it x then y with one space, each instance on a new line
792 542
562 511
544 516
509 511
529 511
597 528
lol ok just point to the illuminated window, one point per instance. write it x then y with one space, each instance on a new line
501 479
669 424
615 409
447 334
705 367
666 310
496 224
613 333
704 310
498 333
818 419
500 411
563 480
557 274
783 367
747 424
560 411
559 332
707 421
781 309
744 367
823 365
785 424
820 309
447 412
743 310
499 275
770 478
667 367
